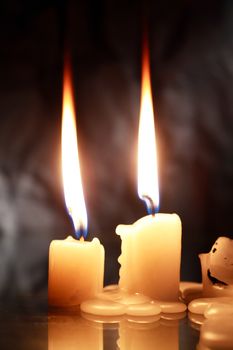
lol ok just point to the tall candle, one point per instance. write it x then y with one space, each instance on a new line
150 256
76 267
151 247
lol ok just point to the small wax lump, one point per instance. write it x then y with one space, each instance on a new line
216 298
217 269
221 260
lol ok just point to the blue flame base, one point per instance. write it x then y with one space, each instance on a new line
152 209
81 232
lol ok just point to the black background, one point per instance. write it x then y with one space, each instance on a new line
191 47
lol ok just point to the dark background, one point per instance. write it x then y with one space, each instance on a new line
191 44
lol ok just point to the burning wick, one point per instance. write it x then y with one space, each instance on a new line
152 209
76 268
81 233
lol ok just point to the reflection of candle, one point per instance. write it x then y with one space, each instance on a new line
72 333
148 336
76 267
151 247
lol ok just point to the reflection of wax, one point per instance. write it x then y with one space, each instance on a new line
75 271
150 257
69 333
216 333
148 336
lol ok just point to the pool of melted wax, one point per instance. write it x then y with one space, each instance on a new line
115 302
211 307
215 327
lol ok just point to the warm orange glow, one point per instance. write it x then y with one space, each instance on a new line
71 173
147 158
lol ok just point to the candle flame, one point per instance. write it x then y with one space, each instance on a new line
71 172
148 187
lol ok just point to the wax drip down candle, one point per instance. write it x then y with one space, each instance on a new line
76 266
151 247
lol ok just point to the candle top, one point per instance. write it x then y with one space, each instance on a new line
148 220
69 240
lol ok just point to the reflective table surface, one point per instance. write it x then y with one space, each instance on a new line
29 324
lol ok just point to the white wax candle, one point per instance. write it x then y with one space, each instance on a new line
76 267
150 256
76 270
151 247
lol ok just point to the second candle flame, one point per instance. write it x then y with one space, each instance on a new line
71 172
148 184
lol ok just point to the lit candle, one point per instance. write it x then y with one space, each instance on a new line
151 247
76 267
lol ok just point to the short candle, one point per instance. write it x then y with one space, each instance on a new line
76 267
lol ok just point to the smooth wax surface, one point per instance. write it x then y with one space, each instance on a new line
150 256
219 309
103 307
146 309
76 270
199 306
115 302
172 307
